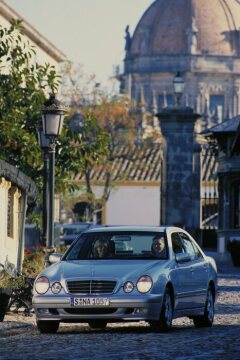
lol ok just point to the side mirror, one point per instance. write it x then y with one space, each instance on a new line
49 250
53 258
182 257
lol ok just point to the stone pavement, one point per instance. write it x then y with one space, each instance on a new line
19 338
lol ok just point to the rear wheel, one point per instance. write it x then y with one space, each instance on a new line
164 323
47 327
97 324
206 320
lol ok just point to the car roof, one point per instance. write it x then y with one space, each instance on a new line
108 228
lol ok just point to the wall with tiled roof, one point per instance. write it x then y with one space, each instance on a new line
131 163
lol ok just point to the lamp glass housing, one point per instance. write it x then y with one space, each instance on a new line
178 84
52 123
52 117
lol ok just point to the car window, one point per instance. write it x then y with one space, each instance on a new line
120 245
197 251
61 230
177 243
74 230
188 246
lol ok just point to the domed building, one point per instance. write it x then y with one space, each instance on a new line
198 38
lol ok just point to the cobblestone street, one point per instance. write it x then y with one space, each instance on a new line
19 338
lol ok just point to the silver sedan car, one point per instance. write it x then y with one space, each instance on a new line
127 273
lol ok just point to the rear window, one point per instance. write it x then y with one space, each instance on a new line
74 230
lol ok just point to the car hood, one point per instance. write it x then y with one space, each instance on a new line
102 269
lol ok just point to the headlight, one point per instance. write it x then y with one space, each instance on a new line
144 284
128 287
42 285
56 287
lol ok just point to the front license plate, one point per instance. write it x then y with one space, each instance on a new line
89 301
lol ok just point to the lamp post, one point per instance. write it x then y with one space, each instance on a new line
178 86
44 144
52 118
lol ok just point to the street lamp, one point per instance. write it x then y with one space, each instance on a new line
44 144
52 118
178 86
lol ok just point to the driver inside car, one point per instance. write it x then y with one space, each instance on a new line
103 248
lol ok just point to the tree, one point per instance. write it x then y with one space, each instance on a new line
112 116
24 86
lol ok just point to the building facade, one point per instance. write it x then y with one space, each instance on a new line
201 40
46 52
17 191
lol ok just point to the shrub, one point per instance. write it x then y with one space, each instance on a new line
33 262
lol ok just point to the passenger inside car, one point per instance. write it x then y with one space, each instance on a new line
158 246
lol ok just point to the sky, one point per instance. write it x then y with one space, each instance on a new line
88 32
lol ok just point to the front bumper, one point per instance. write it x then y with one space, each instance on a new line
134 308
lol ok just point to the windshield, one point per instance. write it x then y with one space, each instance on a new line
119 245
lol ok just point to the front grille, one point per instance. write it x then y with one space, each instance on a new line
96 311
53 311
87 287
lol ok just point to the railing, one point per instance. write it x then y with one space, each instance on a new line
209 189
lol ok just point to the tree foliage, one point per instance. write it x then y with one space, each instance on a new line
24 87
113 117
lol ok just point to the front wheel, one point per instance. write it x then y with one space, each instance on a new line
206 320
164 324
97 324
47 327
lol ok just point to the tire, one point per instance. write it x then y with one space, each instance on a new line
97 324
4 301
2 314
47 327
206 320
164 324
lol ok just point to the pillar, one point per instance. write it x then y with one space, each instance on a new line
180 183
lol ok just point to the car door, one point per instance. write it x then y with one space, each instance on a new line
181 275
198 273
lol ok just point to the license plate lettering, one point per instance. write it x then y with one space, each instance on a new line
89 302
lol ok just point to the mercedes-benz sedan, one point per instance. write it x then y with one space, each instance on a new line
114 274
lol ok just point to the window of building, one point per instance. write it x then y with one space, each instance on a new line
217 102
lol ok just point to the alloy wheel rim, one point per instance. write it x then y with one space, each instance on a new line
210 306
168 310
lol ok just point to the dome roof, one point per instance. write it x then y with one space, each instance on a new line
189 26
